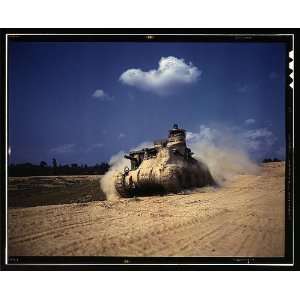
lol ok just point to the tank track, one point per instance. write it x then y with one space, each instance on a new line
120 186
170 183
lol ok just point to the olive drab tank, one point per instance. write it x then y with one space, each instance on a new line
167 167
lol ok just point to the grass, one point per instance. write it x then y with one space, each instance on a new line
52 190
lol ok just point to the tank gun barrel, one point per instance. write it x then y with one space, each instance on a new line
131 158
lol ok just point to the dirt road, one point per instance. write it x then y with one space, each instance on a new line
243 218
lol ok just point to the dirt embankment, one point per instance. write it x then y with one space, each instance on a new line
243 218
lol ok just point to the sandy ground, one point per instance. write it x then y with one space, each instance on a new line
243 218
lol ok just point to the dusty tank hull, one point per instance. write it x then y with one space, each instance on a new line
166 168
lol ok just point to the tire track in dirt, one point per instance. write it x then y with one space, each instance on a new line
243 218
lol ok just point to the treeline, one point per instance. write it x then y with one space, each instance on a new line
43 169
267 160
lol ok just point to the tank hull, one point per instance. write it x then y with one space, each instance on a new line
168 172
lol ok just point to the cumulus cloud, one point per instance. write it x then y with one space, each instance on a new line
258 138
255 141
171 72
250 121
100 94
62 149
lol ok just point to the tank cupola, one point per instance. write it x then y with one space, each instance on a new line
176 136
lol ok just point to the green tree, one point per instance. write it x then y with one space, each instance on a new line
54 163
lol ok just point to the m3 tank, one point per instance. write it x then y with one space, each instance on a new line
168 167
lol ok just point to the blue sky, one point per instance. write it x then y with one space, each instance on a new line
84 102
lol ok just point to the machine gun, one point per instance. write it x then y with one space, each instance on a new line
136 157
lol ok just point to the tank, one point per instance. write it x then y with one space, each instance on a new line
167 167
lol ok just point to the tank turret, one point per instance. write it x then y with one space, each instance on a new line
167 167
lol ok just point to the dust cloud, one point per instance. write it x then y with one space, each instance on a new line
225 153
117 164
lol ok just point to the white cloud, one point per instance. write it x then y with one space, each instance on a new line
171 72
70 148
191 136
259 138
100 94
99 145
206 134
94 147
121 135
250 121
258 133
256 141
62 149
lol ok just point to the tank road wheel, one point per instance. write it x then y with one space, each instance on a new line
121 187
